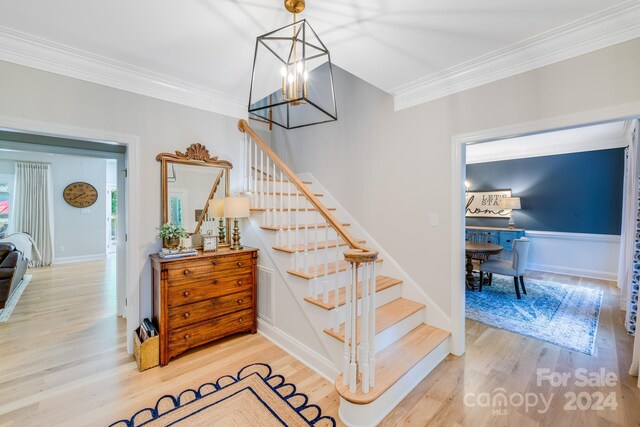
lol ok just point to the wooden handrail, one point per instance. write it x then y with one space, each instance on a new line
244 127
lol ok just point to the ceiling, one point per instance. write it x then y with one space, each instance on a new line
208 44
587 138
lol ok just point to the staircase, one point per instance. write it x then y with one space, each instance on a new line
376 335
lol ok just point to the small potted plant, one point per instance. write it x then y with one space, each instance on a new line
171 234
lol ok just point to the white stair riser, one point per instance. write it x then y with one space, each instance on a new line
383 297
292 218
390 335
371 414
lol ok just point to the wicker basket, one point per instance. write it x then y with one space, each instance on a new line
147 354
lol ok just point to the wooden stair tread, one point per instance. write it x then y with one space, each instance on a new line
395 361
278 193
287 209
311 246
382 283
386 316
297 227
342 266
285 181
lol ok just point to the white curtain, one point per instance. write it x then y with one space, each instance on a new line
32 210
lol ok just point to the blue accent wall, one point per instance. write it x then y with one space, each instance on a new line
575 193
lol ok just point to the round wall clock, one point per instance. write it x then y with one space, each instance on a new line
80 194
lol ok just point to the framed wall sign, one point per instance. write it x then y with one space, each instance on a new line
486 204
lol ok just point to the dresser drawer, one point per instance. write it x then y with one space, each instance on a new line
507 238
187 293
209 330
209 266
207 275
197 312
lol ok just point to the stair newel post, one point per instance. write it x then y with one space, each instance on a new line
353 363
336 288
372 329
346 360
365 258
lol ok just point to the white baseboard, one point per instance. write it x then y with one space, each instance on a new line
81 258
322 366
579 254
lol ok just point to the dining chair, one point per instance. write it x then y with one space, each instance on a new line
479 237
513 268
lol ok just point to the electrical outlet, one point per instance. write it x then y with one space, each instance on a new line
435 220
61 249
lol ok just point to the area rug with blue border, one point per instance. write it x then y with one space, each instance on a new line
564 315
254 397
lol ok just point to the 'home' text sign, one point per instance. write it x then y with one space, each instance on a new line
487 204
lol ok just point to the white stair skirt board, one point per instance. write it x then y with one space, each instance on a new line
323 367
353 415
13 300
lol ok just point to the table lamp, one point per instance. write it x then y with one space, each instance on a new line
236 207
216 210
510 203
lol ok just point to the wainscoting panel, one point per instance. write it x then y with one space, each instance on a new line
588 255
266 300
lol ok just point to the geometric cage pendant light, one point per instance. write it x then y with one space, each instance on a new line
292 77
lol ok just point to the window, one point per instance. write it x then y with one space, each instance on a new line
5 200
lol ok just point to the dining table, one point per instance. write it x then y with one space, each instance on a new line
475 249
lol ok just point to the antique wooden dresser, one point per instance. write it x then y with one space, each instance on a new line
203 298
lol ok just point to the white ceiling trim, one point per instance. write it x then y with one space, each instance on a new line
606 28
31 51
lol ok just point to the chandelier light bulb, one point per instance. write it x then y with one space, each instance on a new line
300 67
283 71
291 79
305 76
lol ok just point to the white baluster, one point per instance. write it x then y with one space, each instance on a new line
245 159
281 220
305 241
353 365
255 175
346 358
372 329
275 205
316 261
261 181
296 234
336 287
364 329
289 242
325 281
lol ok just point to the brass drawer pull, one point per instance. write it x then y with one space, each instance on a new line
214 262
214 301
186 293
240 320
214 282
239 264
187 336
187 272
239 282
186 315
240 301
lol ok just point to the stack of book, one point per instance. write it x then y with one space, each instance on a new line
146 330
177 253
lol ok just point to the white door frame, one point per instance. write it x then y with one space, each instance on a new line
458 176
132 208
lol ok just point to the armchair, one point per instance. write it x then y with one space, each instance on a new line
13 267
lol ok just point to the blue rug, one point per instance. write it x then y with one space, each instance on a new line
559 314
253 397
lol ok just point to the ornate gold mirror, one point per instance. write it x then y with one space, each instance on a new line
190 181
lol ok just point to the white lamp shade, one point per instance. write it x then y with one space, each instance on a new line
510 203
216 208
237 207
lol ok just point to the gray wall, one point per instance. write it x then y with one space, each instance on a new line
391 170
76 232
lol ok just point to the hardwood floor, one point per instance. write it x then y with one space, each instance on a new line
64 363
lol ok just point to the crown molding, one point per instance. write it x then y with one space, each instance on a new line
603 29
35 52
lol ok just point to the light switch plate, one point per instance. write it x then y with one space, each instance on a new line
435 220
85 211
